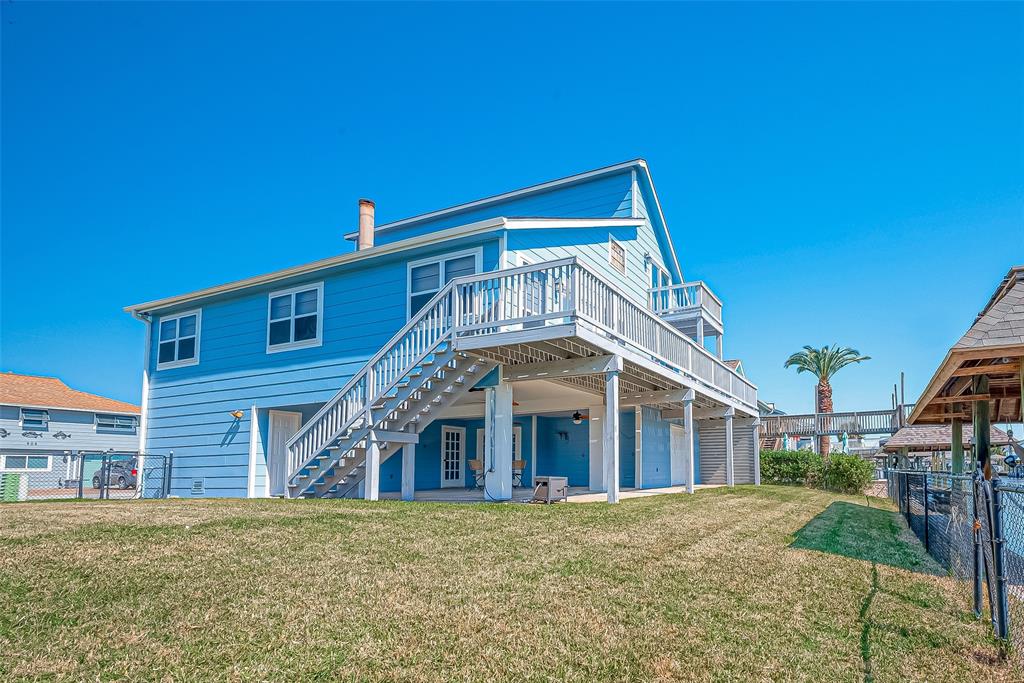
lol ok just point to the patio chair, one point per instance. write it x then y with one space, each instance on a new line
517 472
476 467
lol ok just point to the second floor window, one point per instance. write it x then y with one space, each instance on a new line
427 277
179 340
34 419
116 423
296 318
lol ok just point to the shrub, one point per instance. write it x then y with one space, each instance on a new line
843 473
848 473
789 467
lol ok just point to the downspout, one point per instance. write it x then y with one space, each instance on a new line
143 417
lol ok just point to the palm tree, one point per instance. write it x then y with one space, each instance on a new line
823 363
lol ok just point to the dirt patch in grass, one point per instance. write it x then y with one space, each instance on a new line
703 587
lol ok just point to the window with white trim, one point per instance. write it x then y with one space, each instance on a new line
617 255
179 340
295 318
427 277
32 418
116 423
24 462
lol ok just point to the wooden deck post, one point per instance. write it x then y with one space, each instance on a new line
982 427
409 471
957 445
610 446
688 443
730 464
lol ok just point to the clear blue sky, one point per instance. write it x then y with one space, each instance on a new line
837 172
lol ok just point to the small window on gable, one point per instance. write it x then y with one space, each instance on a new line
179 340
296 318
116 423
34 419
426 278
617 255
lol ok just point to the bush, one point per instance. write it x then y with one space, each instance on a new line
848 473
844 473
789 467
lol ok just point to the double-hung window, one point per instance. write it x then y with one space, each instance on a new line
427 277
296 318
33 419
116 423
179 340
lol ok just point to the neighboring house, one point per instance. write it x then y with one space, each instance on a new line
544 331
46 427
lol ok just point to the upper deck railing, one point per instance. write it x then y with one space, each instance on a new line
834 424
508 301
689 296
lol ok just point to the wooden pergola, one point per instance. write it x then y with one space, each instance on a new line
981 379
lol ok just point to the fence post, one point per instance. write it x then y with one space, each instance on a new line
1002 606
976 527
81 475
170 471
924 478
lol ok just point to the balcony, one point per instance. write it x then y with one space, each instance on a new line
693 309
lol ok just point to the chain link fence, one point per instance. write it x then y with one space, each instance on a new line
975 529
103 476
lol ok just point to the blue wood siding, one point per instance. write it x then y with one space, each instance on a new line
606 197
563 457
657 449
188 411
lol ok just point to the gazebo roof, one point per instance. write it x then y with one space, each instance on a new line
936 438
994 347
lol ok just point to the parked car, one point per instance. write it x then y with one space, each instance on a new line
120 473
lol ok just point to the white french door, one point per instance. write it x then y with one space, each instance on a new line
453 457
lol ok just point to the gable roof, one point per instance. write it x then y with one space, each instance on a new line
639 165
1001 323
937 438
49 392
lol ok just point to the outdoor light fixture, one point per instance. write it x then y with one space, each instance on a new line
577 418
237 414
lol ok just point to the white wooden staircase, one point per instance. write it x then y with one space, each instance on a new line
399 391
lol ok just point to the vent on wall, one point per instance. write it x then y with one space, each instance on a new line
198 487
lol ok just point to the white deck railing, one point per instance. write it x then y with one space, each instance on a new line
509 301
689 296
833 424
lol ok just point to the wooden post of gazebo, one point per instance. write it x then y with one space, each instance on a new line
956 444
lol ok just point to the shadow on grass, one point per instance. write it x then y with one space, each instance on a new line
864 533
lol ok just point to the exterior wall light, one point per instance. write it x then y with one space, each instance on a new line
237 414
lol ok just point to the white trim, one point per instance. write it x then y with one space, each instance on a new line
194 360
625 256
434 238
253 440
462 457
632 196
638 460
140 483
305 343
440 259
532 189
26 470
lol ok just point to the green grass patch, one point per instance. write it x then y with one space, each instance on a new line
751 583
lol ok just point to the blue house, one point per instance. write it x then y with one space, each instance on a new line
546 331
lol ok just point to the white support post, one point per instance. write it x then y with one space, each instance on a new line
611 435
688 425
730 465
595 453
757 452
409 471
700 332
498 440
371 482
718 346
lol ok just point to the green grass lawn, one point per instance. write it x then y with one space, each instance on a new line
765 583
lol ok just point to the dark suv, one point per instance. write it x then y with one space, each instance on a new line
120 473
